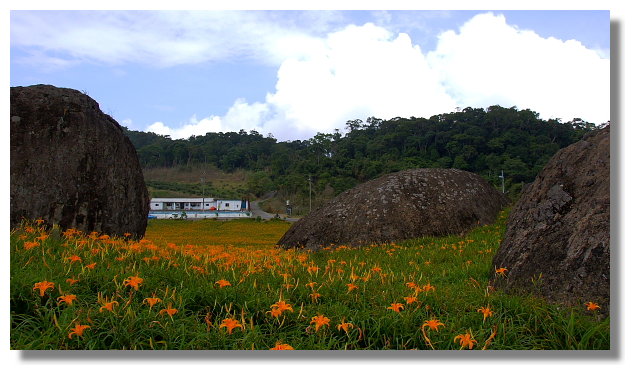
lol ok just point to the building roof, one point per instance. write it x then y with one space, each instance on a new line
184 200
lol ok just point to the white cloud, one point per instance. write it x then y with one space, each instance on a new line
364 71
159 38
212 124
490 62
358 72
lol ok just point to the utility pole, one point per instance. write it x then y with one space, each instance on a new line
502 177
310 188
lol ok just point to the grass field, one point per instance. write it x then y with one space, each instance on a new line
224 285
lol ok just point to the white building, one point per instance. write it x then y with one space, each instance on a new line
198 208
167 204
232 205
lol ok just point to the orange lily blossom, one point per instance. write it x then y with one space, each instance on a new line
71 281
486 311
501 271
465 340
91 266
108 306
592 306
133 281
43 286
223 283
74 258
315 296
396 307
410 300
432 324
68 299
275 312
352 286
426 288
169 310
319 321
152 301
282 347
30 244
282 306
78 330
344 326
230 324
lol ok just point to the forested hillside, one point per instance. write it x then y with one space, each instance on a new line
484 141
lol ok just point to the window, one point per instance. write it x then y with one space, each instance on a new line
226 204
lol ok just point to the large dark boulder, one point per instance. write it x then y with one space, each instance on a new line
557 242
72 165
398 206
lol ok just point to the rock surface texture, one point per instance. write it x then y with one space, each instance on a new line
398 206
557 242
72 165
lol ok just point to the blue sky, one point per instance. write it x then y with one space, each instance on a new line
296 73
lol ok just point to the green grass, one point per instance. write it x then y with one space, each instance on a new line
181 262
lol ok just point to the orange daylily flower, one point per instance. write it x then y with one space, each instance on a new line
352 286
592 306
71 281
411 285
344 326
169 310
275 312
152 301
501 271
410 300
108 306
68 299
319 321
43 286
315 296
91 266
282 347
223 283
133 281
230 324
486 312
282 306
465 340
30 244
74 258
311 284
396 307
426 288
78 330
432 324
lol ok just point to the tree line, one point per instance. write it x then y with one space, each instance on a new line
483 141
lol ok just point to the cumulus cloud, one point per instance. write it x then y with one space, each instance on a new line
490 62
357 72
212 124
364 71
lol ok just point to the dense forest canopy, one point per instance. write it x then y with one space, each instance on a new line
483 141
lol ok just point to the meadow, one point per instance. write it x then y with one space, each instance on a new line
224 285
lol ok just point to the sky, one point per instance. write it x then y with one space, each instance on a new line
293 74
